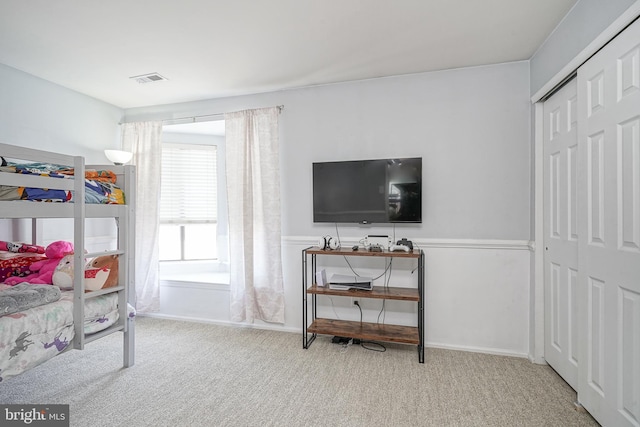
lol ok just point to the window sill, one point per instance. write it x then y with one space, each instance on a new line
211 278
194 272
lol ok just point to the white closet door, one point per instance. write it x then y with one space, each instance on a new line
609 218
561 232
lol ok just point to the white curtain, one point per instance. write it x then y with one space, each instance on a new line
143 140
253 187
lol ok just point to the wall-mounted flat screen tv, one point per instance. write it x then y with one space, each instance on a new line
368 191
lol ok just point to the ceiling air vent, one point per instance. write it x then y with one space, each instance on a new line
148 78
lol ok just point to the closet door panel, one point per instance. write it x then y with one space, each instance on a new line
561 231
629 197
609 254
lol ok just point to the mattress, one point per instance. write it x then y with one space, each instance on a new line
31 337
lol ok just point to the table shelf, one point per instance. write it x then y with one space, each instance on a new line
378 292
366 331
314 326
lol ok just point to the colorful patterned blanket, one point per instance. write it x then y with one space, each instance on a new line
17 265
100 185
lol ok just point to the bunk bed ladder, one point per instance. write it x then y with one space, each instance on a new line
125 289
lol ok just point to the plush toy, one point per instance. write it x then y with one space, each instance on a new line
94 278
42 271
20 247
109 262
63 273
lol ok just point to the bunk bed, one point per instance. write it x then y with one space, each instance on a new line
29 338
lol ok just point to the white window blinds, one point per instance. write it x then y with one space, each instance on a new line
189 184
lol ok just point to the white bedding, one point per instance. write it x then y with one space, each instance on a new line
31 337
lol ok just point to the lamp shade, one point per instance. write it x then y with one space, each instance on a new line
118 157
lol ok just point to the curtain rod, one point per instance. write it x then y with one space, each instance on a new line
194 118
214 115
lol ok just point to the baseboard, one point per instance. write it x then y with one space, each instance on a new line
537 360
473 349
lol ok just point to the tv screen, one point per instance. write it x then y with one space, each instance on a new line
368 191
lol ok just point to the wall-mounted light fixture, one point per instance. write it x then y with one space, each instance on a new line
118 157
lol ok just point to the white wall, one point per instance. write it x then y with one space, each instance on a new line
586 20
472 128
38 114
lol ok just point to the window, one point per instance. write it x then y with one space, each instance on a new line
188 202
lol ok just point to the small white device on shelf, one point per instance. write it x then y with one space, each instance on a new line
321 278
377 241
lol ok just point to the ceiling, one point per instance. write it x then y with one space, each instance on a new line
213 48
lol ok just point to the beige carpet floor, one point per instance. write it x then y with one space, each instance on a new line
192 374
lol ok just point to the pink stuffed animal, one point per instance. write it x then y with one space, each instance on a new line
43 270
